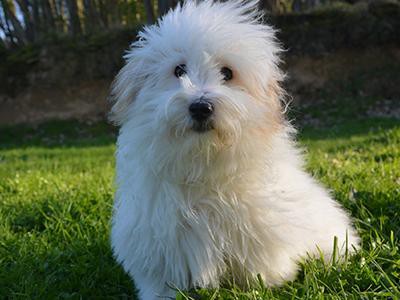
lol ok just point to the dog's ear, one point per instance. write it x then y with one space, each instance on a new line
272 95
126 86
276 95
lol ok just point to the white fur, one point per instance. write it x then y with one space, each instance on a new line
193 208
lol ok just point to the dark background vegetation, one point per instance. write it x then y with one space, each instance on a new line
58 57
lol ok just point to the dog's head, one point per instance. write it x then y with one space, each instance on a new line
205 73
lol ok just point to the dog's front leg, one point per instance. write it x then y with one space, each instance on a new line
150 289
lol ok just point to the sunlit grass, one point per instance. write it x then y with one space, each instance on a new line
56 196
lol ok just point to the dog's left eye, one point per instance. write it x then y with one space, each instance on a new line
227 73
180 70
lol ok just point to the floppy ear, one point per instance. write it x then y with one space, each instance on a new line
126 86
276 96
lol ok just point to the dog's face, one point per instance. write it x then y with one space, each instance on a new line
206 73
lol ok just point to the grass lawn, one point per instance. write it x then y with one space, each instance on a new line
56 196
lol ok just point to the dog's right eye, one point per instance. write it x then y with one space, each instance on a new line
180 71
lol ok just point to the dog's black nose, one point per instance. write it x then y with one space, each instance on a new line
201 109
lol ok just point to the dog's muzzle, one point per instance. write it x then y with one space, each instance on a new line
201 111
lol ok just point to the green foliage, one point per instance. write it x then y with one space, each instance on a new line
339 7
56 195
14 66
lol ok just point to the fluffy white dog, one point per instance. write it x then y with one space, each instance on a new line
209 182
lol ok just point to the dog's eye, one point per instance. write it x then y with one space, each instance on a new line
227 73
180 71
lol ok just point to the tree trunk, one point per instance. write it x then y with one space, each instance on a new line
18 31
74 22
58 12
47 16
7 31
163 7
102 8
271 6
28 19
36 18
148 6
90 15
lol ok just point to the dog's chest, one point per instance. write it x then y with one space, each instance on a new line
203 231
217 232
221 219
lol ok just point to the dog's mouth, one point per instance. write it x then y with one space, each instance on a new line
203 126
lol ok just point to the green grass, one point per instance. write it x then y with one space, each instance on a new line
56 196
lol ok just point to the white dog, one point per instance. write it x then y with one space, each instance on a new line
210 184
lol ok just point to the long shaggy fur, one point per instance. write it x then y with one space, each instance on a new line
193 209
